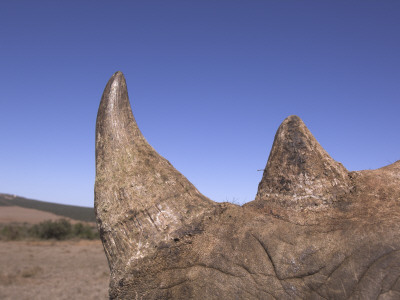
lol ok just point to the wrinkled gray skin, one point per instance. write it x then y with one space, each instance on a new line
314 230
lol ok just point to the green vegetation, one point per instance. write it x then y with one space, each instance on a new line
58 230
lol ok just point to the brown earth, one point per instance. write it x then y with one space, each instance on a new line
53 270
17 214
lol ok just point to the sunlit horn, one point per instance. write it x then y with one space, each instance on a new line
141 200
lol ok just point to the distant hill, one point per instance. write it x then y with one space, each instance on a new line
78 213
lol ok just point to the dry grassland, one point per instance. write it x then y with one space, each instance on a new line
53 270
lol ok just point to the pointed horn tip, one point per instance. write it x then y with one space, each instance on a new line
117 78
293 118
293 122
114 92
115 83
118 74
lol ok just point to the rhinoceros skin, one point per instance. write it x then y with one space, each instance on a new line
314 230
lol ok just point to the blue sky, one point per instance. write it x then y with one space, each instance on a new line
209 83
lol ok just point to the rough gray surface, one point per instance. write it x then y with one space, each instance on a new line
299 172
314 231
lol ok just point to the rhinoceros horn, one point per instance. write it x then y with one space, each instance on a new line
314 230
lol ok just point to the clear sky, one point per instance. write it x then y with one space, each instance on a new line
209 83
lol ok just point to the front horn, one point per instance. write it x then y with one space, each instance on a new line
141 200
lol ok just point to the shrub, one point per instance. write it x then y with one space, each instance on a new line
84 231
59 230
14 232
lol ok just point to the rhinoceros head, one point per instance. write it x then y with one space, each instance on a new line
314 230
